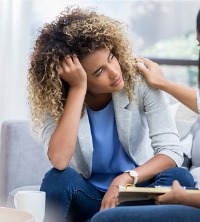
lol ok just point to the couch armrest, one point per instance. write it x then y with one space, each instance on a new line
22 158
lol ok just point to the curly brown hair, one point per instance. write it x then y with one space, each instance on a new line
74 31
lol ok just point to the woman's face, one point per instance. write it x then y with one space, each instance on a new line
103 72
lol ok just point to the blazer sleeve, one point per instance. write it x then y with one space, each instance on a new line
162 127
48 129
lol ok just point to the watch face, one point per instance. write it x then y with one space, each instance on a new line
133 173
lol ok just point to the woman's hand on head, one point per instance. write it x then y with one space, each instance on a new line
152 72
72 71
175 196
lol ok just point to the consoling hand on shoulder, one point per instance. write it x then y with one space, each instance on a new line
152 72
155 78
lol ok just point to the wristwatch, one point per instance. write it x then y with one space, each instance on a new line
133 174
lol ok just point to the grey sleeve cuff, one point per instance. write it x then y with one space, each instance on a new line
49 127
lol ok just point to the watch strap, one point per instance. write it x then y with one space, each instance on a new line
133 174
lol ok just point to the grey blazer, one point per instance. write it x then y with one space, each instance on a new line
145 128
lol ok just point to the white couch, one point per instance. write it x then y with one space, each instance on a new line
22 160
188 125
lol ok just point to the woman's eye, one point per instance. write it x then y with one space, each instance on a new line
99 72
111 56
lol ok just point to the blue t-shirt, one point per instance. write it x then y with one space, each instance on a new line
109 158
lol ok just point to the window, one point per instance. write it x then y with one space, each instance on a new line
161 30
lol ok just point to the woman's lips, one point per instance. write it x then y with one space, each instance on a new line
117 82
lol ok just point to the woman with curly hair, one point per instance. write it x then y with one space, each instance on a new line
102 125
177 204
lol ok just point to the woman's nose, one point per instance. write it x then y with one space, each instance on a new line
113 72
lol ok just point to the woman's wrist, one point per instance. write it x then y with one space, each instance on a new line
80 86
122 180
164 85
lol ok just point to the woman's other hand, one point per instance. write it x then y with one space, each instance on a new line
110 198
152 72
175 196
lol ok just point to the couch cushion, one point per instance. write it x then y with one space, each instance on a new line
185 119
196 144
22 160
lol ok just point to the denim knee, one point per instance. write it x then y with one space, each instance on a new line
67 192
178 173
184 177
56 180
61 174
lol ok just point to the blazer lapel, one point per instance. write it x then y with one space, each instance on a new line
123 117
85 141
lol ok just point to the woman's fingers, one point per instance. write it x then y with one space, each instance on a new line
68 60
66 65
75 59
176 185
146 61
109 203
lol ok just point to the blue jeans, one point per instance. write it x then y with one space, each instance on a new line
68 193
150 213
